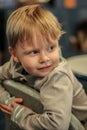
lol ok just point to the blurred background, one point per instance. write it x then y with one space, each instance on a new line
72 14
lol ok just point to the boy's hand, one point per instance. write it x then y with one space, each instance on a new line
8 109
16 101
19 101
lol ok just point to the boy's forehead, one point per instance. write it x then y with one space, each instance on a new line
38 40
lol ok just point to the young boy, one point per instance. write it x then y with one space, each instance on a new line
32 33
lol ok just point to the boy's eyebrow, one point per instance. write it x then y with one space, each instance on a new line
26 52
33 49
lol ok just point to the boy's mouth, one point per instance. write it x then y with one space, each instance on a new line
45 68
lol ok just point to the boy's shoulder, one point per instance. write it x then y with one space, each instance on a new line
62 66
62 69
9 68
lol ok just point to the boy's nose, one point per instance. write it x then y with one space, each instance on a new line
44 57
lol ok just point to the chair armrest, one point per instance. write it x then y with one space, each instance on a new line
30 96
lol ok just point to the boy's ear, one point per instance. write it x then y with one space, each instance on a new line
13 54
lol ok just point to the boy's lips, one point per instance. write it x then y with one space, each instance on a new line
45 68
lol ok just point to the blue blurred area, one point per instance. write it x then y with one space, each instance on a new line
2 121
69 18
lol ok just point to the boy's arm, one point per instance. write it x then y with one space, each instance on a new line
4 74
56 114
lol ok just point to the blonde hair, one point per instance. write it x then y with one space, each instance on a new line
23 21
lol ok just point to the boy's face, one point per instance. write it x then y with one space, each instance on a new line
39 59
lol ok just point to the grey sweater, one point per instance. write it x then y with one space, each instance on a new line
60 92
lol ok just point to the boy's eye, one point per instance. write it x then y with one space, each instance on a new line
50 48
33 52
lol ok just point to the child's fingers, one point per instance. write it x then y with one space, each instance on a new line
16 100
6 109
6 112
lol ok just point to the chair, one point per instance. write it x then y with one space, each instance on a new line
31 98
